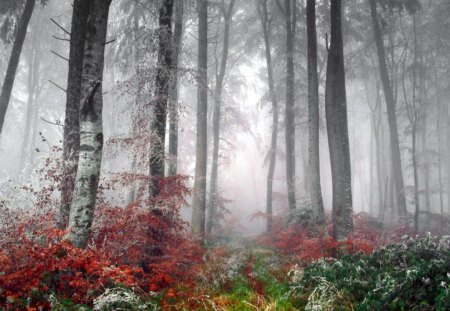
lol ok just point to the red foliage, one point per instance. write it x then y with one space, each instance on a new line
299 241
134 246
36 263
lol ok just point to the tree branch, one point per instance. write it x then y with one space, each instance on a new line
59 55
60 26
59 87
61 39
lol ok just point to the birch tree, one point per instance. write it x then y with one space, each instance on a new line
91 129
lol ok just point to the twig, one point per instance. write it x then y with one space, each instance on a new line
59 87
110 41
60 26
62 39
53 123
59 55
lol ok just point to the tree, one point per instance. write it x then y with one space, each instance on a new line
173 91
158 124
220 76
313 112
289 110
10 76
91 129
71 134
337 128
266 23
199 199
390 107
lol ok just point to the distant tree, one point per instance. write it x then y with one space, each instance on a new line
16 51
227 13
199 199
91 129
266 23
162 79
337 128
71 134
313 112
391 114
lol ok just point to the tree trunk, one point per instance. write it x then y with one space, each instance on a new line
199 199
214 191
392 119
289 110
313 112
91 131
33 76
71 135
173 92
416 181
267 30
336 113
158 123
8 83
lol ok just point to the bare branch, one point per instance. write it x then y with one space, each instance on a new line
50 122
62 39
60 26
59 87
59 55
110 41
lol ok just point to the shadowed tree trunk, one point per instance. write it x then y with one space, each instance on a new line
32 88
91 130
199 199
213 191
392 119
173 91
16 51
289 110
158 123
336 114
71 134
313 113
267 30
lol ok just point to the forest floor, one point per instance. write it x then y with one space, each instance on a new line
241 276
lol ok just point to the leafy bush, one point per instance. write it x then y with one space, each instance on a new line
411 275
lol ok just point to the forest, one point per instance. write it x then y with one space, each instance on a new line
225 155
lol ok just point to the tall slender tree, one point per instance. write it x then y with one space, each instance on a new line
71 134
173 91
313 112
392 118
266 23
220 76
158 123
199 199
289 109
16 51
91 129
337 128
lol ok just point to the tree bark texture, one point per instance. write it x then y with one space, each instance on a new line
392 119
336 115
199 199
173 91
313 113
91 130
16 51
267 29
163 74
220 76
289 110
71 134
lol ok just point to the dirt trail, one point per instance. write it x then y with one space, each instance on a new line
254 282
